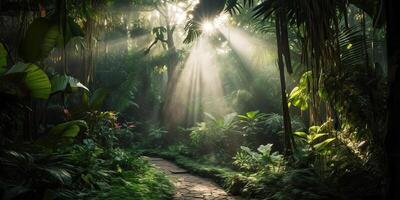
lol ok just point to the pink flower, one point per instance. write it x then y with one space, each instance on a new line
130 125
67 113
117 125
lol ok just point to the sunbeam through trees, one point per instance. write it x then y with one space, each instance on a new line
199 99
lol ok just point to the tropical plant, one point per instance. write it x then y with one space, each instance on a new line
262 160
35 176
102 127
260 128
62 134
24 80
304 184
300 95
43 35
318 138
93 170
317 148
217 135
252 122
65 84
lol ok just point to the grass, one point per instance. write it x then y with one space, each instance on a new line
149 184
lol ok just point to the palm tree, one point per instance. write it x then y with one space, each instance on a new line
317 24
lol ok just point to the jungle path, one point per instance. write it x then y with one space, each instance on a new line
188 186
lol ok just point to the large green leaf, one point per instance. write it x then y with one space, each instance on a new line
38 82
65 83
41 37
35 81
49 41
97 99
322 145
252 114
301 134
69 129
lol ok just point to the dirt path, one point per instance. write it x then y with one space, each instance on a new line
190 187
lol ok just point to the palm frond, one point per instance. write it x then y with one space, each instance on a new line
352 46
193 31
234 6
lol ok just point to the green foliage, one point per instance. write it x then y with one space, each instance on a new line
65 83
252 122
3 58
41 37
69 129
26 80
300 95
259 161
218 136
96 101
85 154
35 176
123 97
102 127
318 138
150 184
61 135
304 184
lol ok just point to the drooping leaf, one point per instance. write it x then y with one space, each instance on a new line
41 37
65 83
49 41
323 144
36 80
301 134
69 129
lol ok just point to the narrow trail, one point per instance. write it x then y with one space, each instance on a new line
188 186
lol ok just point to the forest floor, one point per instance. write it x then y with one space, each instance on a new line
188 186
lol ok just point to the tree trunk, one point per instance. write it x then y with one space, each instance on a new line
393 129
287 136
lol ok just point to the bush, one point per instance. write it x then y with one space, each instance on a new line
262 160
217 136
35 176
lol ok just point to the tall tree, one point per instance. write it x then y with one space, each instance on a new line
393 130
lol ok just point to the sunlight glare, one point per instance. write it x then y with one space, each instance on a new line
256 52
208 27
211 26
199 87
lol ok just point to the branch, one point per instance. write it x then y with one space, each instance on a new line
147 51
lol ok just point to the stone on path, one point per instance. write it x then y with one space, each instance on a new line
190 187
